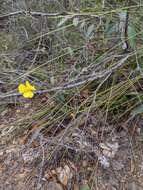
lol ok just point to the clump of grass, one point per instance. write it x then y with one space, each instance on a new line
83 81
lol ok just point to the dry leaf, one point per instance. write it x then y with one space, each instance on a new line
50 174
54 186
75 187
109 149
72 115
117 165
72 166
85 93
64 174
104 146
104 161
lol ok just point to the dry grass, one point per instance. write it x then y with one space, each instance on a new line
87 84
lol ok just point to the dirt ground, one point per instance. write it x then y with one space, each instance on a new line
115 163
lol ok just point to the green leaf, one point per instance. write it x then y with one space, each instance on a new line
89 31
70 51
137 110
52 80
85 187
132 36
122 15
60 97
62 21
110 29
75 21
82 25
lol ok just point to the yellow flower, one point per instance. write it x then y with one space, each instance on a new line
26 90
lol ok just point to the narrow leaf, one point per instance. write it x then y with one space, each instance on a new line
70 50
85 187
62 21
110 29
82 25
90 30
132 36
75 21
137 110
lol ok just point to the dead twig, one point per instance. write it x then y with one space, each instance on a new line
74 84
43 14
36 13
24 12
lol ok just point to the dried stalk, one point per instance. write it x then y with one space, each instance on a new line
90 78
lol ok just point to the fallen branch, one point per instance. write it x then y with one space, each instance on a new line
42 14
91 14
90 78
23 12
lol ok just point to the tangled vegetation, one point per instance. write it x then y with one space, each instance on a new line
71 76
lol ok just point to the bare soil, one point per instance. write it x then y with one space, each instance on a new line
25 163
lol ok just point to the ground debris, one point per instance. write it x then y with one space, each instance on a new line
52 185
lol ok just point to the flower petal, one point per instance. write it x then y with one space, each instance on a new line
29 86
22 88
28 94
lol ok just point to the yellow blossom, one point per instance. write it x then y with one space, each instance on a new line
26 90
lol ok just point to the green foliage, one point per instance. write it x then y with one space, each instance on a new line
6 42
132 35
60 97
138 110
78 48
75 21
90 31
55 50
63 21
85 187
